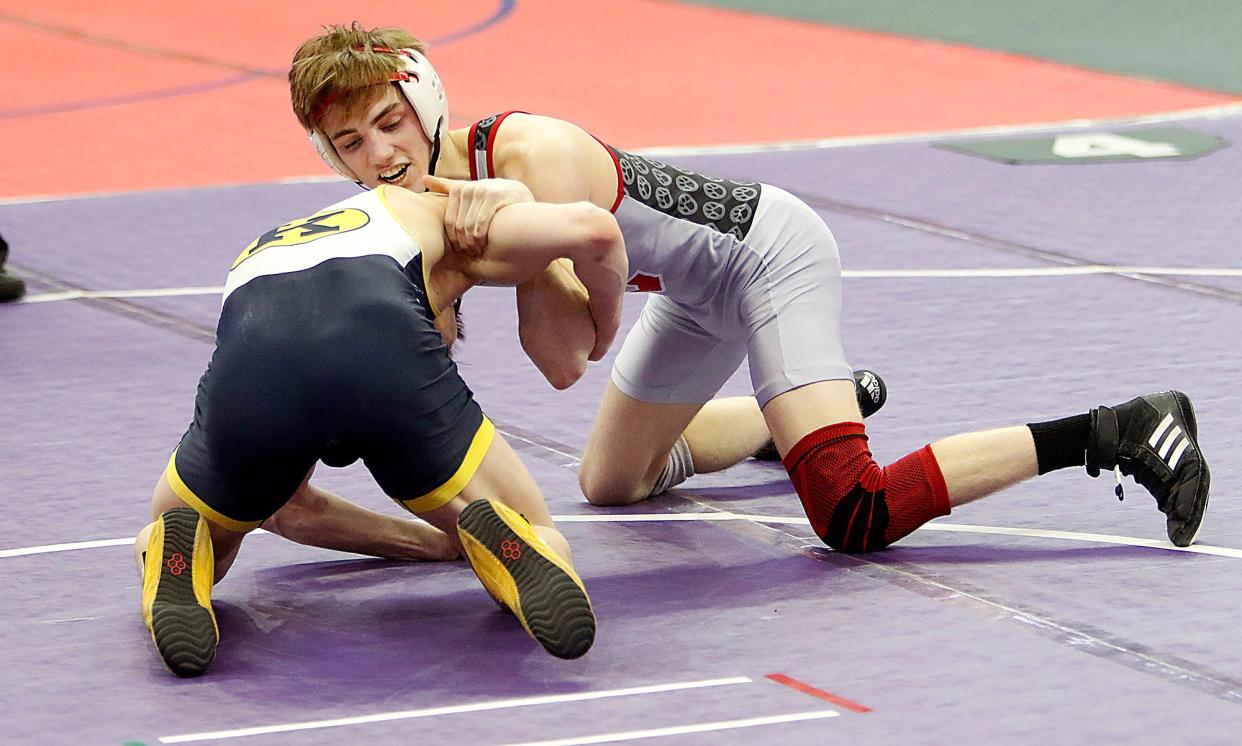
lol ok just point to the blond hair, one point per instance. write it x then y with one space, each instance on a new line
343 66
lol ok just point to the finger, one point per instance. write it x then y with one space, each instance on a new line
474 226
451 218
437 183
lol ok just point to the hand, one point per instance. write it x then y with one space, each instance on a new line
471 207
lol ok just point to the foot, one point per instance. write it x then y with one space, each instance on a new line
176 591
522 572
11 288
871 392
1154 439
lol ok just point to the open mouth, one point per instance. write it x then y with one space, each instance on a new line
395 176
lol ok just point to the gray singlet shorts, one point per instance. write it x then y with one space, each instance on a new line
781 305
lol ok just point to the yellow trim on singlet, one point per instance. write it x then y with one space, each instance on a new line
465 472
422 262
194 501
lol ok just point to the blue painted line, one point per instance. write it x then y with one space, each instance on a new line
506 8
100 103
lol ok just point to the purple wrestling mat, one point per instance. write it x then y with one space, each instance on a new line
1050 613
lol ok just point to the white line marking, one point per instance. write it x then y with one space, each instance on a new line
149 293
663 517
1034 533
1058 271
1216 111
1207 112
501 704
678 730
912 273
1037 533
49 548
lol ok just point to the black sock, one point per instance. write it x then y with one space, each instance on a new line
1061 443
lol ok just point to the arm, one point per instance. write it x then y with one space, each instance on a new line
319 518
555 324
559 162
471 207
550 161
524 238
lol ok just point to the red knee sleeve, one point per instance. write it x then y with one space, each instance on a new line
853 504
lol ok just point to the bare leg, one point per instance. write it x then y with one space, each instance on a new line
629 446
504 528
225 542
726 432
974 465
181 556
503 477
317 517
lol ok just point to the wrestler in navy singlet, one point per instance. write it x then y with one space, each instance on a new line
326 350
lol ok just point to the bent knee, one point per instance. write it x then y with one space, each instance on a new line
609 491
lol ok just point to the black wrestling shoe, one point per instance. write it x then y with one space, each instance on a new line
520 571
11 288
1159 448
872 393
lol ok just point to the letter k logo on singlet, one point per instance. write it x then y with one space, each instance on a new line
307 230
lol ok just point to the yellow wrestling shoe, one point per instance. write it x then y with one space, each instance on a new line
176 591
522 572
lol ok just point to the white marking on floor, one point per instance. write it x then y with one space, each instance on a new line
901 138
710 517
501 704
1003 273
678 730
1217 111
147 293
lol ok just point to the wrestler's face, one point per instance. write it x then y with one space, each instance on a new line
382 142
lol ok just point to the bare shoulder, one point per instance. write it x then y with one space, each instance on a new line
558 160
421 213
532 135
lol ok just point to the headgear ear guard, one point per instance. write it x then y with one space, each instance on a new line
421 87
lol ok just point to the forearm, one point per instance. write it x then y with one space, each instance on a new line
602 268
317 517
555 324
525 238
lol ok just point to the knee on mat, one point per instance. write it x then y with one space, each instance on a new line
854 504
605 492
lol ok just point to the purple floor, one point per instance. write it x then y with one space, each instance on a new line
950 636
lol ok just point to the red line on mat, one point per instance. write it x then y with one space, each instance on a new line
792 683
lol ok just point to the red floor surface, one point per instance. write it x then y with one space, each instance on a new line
147 95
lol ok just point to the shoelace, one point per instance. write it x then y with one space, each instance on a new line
1149 477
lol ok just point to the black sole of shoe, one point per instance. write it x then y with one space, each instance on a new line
184 632
554 608
1199 508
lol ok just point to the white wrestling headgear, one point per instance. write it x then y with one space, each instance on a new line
421 86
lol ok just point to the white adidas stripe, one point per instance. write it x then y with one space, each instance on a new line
1177 454
1169 437
1163 450
1159 431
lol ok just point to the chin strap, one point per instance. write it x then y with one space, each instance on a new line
435 154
